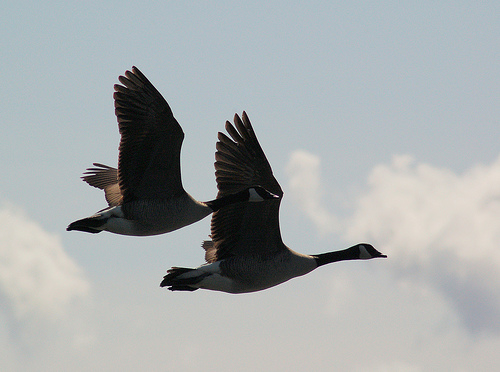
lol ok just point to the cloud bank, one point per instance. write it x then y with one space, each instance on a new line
37 277
441 230
43 294
304 179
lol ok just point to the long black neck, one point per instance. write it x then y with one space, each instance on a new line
345 254
218 203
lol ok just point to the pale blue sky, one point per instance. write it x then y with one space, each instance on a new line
352 84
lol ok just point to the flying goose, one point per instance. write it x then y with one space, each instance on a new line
246 253
145 194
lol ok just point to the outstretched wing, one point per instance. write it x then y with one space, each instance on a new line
151 140
105 178
243 228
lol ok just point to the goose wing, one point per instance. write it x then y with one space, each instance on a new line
151 140
105 178
243 228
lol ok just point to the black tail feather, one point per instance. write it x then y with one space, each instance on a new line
174 283
89 224
182 288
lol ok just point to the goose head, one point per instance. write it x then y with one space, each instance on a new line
362 251
367 251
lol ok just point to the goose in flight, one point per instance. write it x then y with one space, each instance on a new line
145 194
246 253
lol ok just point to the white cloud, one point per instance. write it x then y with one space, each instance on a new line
44 295
304 185
354 316
351 316
439 229
37 277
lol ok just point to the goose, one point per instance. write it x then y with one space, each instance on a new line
145 194
246 252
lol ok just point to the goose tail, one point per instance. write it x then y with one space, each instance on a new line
182 279
91 225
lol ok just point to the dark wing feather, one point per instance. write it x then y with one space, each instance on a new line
151 140
243 228
105 178
241 162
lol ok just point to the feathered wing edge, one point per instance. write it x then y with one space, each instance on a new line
151 140
241 163
105 178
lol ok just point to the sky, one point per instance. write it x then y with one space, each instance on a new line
381 123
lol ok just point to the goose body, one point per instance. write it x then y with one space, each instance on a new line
145 217
241 274
246 252
145 194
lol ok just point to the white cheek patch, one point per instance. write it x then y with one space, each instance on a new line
363 253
